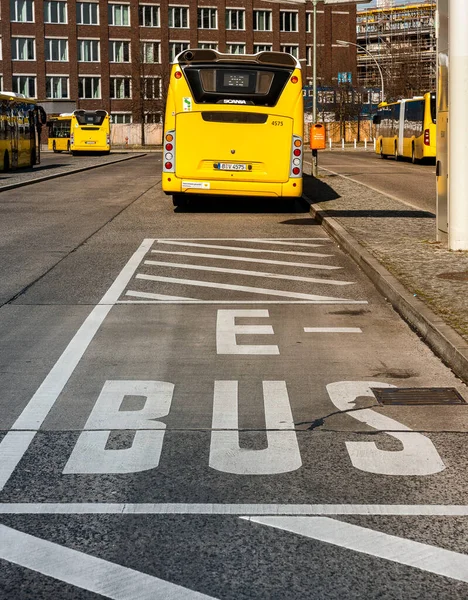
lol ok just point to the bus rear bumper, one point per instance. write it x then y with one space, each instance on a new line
175 185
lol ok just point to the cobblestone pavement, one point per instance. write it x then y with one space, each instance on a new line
403 240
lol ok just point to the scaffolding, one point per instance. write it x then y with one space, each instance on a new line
403 41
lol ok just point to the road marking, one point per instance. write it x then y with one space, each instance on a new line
374 543
282 243
332 330
264 261
227 329
282 454
238 288
240 249
246 272
87 572
44 398
135 294
148 508
418 456
310 239
152 299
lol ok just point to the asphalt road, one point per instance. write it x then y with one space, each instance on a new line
414 184
186 408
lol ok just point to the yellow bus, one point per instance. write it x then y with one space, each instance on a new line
21 121
407 128
80 131
233 125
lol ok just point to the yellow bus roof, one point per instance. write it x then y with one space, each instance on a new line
273 59
13 97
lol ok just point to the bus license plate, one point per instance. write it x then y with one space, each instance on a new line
90 142
231 167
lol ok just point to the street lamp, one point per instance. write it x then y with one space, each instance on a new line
345 44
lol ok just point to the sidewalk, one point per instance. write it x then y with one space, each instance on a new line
395 245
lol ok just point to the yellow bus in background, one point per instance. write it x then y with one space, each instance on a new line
80 131
233 125
21 121
407 128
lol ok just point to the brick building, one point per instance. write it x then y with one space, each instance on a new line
115 55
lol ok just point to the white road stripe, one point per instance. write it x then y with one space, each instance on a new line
247 272
263 261
198 239
44 398
374 543
151 296
237 288
214 302
78 508
283 241
332 330
87 572
240 249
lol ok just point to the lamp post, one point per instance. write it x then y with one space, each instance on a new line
345 44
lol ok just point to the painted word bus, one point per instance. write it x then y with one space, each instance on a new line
21 121
233 125
80 131
407 128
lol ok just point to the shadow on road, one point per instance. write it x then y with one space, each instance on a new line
398 214
243 204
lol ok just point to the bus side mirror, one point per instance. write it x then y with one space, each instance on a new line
376 119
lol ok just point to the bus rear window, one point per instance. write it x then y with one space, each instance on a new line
85 117
231 85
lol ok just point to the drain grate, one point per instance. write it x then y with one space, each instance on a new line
417 396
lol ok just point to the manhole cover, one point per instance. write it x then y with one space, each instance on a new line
417 396
455 276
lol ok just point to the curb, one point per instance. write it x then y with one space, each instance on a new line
12 186
444 341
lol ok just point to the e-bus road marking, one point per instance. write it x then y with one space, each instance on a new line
240 249
332 330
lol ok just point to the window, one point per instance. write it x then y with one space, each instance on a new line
119 51
151 87
121 118
89 87
235 48
88 51
24 84
150 52
87 13
55 12
235 18
153 118
149 15
292 49
178 17
1 82
262 48
308 22
120 88
288 20
207 18
22 11
262 20
57 87
176 48
309 53
23 49
208 45
56 49
119 14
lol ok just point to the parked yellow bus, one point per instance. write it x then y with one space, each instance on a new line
233 125
21 121
407 128
80 131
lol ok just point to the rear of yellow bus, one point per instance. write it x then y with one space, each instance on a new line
59 134
233 126
90 131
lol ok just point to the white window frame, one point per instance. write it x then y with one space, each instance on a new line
309 15
144 87
111 12
309 55
112 54
143 53
15 14
173 43
265 48
148 114
82 78
289 47
171 16
82 5
117 113
48 12
81 41
269 17
288 14
123 80
212 11
208 45
141 10
15 53
61 77
230 45
28 76
241 13
48 42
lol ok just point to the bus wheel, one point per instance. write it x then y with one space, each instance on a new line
179 200
33 158
68 146
396 155
54 147
382 155
414 160
6 162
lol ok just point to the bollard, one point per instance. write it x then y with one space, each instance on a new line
330 143
342 143
365 144
375 144
355 144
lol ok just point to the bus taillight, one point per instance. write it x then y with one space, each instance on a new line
169 152
427 137
296 157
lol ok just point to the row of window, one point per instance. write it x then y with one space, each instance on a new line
87 13
89 87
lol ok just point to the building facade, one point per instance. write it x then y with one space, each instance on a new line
402 39
116 55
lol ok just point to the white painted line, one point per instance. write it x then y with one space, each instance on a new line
135 294
214 302
263 261
237 288
247 272
240 249
374 543
44 398
310 239
282 243
78 508
87 572
332 330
